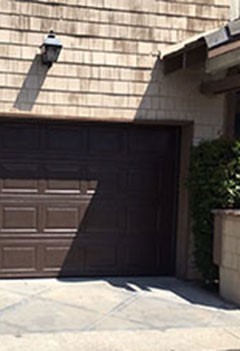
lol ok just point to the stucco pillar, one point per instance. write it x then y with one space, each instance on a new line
227 252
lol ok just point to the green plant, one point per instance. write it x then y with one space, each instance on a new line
214 182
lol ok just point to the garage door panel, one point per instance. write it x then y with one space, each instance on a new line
150 143
101 218
20 186
62 177
143 142
17 257
56 256
104 179
140 257
86 199
141 220
19 177
102 141
19 218
32 258
90 186
59 138
71 259
58 186
142 183
13 137
62 218
99 257
62 170
19 169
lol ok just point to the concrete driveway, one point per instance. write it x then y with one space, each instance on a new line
114 314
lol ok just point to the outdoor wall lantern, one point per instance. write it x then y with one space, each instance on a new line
50 49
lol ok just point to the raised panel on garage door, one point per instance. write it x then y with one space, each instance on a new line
87 199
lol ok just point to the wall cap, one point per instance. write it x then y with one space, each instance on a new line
227 212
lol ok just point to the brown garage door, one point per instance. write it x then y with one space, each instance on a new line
87 199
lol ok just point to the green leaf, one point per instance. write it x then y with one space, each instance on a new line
213 182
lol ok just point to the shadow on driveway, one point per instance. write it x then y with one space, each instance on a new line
189 291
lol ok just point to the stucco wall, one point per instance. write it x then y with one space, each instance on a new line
227 252
108 68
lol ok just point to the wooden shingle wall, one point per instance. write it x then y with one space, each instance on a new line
109 67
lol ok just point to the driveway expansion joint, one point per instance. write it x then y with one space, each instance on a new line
117 308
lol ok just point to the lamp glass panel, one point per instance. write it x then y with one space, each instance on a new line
52 53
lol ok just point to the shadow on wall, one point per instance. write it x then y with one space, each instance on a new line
150 102
173 97
31 86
